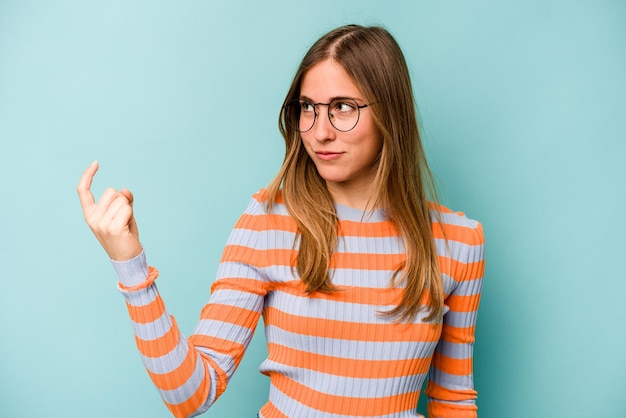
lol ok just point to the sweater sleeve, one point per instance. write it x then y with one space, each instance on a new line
450 388
190 374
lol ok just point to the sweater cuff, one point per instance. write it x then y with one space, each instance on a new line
133 272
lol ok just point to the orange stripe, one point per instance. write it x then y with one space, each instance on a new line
458 335
160 346
341 366
255 286
266 222
361 295
189 406
230 348
343 330
474 270
459 367
285 223
462 234
262 196
376 229
441 409
463 303
177 377
334 404
287 257
439 392
146 313
365 261
153 274
454 269
231 314
270 410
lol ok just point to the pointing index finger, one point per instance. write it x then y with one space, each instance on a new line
84 185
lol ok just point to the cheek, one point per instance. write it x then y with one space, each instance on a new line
305 143
305 148
371 141
374 151
366 130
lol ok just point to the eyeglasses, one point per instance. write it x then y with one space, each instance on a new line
343 114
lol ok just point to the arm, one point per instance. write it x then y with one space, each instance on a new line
450 388
189 374
181 378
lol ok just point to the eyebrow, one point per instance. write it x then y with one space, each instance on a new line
308 99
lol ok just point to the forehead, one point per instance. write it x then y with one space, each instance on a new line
326 81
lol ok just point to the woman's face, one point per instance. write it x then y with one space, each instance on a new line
345 160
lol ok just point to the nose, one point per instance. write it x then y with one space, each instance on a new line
322 128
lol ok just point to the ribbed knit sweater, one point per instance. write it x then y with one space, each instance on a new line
329 355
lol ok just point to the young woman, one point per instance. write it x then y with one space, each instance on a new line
365 285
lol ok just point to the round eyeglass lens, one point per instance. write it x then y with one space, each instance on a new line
343 114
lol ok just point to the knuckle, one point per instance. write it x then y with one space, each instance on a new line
109 192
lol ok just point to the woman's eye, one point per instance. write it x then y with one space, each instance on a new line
344 107
307 107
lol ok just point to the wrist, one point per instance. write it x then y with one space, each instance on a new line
133 271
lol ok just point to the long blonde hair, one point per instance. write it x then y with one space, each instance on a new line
373 59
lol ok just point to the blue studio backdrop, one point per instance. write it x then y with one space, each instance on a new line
522 107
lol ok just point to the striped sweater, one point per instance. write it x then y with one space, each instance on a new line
329 355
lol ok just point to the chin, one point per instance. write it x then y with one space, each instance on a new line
332 177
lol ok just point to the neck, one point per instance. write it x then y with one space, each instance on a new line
359 197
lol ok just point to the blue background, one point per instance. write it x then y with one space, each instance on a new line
523 110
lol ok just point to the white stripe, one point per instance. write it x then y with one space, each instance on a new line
184 392
237 270
352 387
252 238
461 319
370 245
239 299
153 330
167 363
369 279
225 330
357 350
456 219
142 298
456 350
303 306
451 381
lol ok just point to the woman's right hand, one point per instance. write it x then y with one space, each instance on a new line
111 218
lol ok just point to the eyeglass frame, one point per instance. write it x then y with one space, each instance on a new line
315 106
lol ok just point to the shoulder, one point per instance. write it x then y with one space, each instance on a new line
460 243
455 226
260 215
261 201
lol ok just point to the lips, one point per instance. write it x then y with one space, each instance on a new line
327 155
